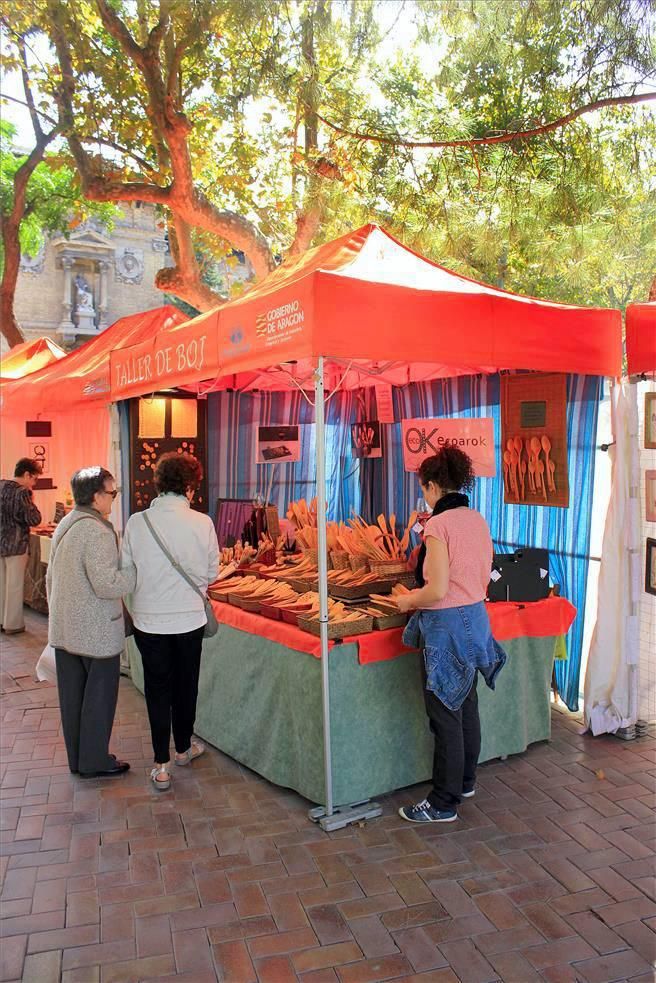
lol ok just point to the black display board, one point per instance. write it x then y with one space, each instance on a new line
145 451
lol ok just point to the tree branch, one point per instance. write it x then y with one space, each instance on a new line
141 161
184 279
27 89
499 138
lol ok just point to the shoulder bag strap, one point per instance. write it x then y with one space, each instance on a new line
174 563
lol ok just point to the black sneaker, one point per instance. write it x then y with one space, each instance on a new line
424 812
468 795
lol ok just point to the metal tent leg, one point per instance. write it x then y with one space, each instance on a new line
327 816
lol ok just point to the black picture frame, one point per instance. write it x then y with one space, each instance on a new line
650 566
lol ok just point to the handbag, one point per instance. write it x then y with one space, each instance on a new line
212 625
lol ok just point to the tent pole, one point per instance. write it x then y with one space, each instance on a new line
327 816
323 578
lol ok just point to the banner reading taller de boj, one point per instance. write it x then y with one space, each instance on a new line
473 435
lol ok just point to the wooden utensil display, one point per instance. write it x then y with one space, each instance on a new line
534 457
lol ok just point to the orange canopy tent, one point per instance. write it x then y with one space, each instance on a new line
29 357
641 338
375 310
353 311
82 377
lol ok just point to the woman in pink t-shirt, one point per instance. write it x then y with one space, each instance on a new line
451 625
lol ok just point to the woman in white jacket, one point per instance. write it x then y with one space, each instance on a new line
169 616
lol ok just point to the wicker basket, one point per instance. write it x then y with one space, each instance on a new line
218 595
338 629
313 556
270 611
386 621
359 563
408 579
357 592
303 586
341 560
385 568
291 615
250 605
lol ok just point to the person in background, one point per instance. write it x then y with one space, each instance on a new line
451 626
169 616
17 514
85 585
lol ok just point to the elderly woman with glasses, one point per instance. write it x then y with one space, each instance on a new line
85 584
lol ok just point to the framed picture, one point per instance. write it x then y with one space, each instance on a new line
650 567
650 496
650 420
365 439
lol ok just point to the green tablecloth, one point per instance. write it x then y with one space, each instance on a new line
260 703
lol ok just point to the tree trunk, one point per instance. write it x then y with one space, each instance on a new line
10 328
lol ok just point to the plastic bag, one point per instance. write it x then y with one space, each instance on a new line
46 668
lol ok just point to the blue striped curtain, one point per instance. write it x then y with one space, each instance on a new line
233 419
564 532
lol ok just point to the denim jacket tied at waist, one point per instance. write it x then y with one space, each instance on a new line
456 643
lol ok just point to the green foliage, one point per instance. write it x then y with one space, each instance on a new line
569 215
53 202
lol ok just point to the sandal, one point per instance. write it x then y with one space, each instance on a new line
194 751
160 777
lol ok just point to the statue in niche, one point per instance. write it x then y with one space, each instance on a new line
83 295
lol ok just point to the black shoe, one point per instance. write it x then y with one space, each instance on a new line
119 769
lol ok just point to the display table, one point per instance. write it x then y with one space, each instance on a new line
260 702
35 573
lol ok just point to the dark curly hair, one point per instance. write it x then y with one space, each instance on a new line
177 473
450 468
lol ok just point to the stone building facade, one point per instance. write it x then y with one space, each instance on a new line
79 285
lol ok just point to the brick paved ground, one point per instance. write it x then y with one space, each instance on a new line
549 875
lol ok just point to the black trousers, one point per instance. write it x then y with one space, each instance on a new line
171 665
88 691
457 747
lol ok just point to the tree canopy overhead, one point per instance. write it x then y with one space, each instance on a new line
270 125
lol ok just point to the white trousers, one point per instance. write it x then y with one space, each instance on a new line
12 586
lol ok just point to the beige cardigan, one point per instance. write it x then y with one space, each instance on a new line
85 586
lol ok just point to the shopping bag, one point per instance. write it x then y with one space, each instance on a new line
46 669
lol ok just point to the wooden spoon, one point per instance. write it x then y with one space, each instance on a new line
514 463
546 447
507 457
552 473
540 465
522 465
506 472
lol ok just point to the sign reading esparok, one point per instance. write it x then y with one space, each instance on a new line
475 436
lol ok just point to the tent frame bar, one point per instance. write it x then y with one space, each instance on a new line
328 817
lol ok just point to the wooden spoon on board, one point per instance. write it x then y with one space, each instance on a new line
546 447
506 473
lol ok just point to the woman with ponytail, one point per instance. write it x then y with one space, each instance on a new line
451 626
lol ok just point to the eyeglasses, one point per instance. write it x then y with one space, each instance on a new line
113 493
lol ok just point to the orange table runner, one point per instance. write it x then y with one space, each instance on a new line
534 619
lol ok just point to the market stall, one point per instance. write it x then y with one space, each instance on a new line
346 316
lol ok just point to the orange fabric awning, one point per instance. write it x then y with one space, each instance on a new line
82 377
376 311
29 357
641 338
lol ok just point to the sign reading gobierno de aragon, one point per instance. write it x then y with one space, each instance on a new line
473 435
